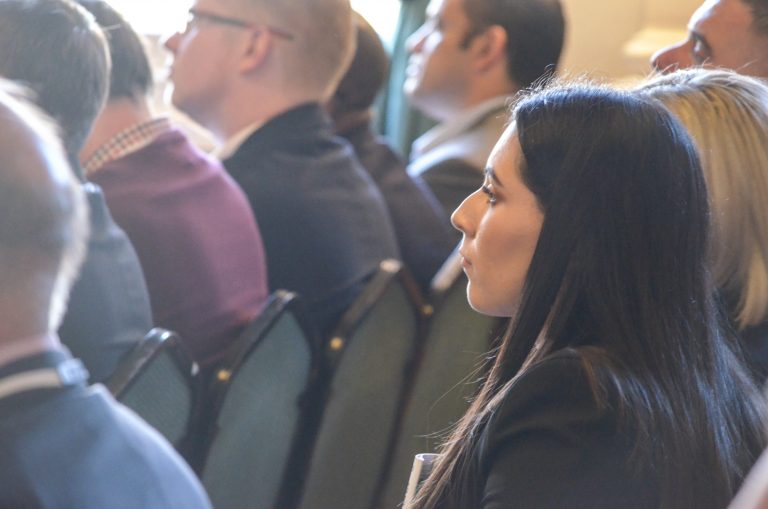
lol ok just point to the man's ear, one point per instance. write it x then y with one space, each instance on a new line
255 50
489 48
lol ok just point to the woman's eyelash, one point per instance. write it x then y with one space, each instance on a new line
489 193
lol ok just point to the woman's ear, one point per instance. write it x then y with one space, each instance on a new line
489 48
256 50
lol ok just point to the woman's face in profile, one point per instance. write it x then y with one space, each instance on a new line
501 223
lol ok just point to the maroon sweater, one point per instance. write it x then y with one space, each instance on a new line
196 237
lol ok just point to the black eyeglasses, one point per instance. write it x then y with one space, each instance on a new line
196 15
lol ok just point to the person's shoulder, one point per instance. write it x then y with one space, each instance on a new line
556 435
558 392
549 373
566 363
143 449
456 165
139 468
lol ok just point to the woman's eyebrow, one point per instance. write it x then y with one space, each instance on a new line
492 175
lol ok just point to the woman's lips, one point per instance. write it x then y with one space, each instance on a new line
465 263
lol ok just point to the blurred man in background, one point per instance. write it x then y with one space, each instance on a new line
56 48
722 33
467 62
422 228
256 73
62 444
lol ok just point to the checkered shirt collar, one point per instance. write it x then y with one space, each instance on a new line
126 142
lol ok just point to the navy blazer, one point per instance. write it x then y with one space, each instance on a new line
422 228
324 224
109 310
75 447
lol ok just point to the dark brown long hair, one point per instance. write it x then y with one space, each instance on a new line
619 276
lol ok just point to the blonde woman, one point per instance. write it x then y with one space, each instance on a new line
727 117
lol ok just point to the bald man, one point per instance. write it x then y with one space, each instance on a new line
62 444
256 73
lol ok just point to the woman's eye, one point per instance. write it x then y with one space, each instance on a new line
489 194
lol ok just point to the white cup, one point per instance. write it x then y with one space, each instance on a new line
422 466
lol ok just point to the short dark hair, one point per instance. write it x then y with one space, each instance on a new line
535 34
56 48
759 15
367 72
131 75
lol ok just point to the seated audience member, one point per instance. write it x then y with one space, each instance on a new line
732 34
56 48
62 444
467 62
727 117
189 221
613 386
421 226
256 72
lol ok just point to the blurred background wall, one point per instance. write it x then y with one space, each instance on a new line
607 39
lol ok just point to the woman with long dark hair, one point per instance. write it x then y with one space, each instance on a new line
614 386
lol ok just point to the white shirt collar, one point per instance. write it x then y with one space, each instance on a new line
455 126
230 146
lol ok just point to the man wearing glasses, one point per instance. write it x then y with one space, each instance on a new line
255 72
191 224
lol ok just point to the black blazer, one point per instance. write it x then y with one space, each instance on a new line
323 222
549 446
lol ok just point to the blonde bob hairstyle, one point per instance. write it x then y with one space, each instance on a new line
727 117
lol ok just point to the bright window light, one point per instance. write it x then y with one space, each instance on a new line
154 17
164 17
382 15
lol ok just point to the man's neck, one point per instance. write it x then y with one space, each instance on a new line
268 104
445 110
448 116
117 116
17 348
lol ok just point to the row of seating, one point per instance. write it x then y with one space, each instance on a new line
291 421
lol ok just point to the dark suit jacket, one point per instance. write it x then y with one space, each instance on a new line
323 222
453 169
109 309
76 448
452 180
422 228
549 446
